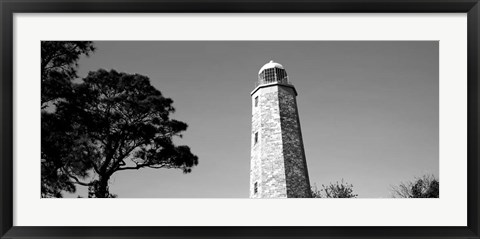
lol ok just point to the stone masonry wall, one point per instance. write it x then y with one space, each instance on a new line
255 161
268 166
298 183
278 163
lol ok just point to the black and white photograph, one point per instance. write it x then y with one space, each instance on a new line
240 119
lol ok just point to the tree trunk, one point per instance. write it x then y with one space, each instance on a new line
101 187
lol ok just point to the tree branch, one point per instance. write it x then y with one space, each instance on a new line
143 165
77 181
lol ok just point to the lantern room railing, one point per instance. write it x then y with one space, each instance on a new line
282 81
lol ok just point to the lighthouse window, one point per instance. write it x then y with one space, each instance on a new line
256 137
256 101
270 75
255 188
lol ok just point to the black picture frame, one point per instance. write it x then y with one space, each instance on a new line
9 7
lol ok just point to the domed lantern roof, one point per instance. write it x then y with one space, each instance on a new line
269 65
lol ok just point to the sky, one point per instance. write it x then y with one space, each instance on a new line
368 110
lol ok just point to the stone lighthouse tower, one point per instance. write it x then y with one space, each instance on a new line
278 165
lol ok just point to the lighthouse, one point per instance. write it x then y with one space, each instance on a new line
278 167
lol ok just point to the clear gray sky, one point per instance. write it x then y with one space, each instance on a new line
368 110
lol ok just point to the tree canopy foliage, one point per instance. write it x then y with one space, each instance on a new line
59 66
59 60
426 186
338 190
107 123
125 120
